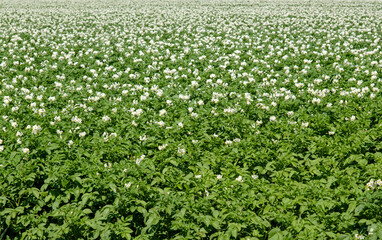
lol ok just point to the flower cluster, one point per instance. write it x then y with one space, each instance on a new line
374 184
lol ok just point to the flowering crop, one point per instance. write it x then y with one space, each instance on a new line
190 119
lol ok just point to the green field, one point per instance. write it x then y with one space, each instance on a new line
190 119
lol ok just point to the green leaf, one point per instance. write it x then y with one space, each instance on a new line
207 220
344 237
215 224
275 234
359 209
331 235
352 206
215 213
234 232
182 212
35 192
153 220
173 162
87 211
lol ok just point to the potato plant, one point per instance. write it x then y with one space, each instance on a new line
190 119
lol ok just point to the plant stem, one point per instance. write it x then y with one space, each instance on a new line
2 235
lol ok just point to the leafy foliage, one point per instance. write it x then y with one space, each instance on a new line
190 120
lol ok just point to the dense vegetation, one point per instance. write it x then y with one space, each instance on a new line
190 120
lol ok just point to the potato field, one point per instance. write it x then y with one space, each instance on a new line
199 119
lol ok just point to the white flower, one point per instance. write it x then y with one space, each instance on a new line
140 159
180 125
194 84
272 119
198 176
70 143
255 177
181 151
142 138
370 184
184 97
230 110
160 124
36 129
215 100
82 134
1 148
105 118
162 112
137 112
25 150
162 147
194 115
239 179
316 101
219 177
14 124
6 100
127 185
41 112
76 119
379 182
359 236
